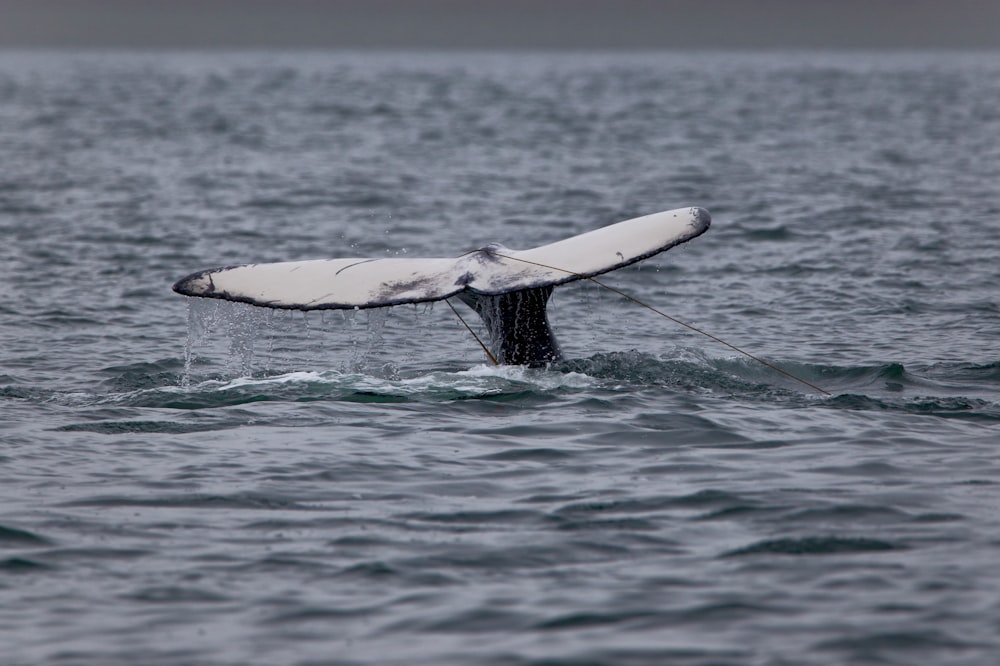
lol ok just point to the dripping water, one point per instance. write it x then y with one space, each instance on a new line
227 340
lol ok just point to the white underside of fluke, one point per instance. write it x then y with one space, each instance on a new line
495 269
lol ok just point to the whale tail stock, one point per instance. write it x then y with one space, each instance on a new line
518 325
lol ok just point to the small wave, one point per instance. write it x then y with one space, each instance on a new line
11 537
945 407
249 501
143 375
964 374
867 646
13 565
176 594
779 233
952 392
139 427
815 546
686 370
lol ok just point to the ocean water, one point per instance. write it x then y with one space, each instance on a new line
197 482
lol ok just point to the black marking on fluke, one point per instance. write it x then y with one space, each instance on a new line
465 279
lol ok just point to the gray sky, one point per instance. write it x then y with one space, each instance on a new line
493 24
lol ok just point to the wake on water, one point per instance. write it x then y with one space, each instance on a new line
237 354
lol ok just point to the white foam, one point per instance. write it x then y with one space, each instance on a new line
477 380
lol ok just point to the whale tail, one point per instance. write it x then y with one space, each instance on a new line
509 289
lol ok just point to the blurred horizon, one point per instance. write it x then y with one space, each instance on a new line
496 25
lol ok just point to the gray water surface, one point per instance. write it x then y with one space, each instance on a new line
209 483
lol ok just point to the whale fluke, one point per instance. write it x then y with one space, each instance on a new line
508 288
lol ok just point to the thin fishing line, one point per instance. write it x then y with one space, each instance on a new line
469 328
673 319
